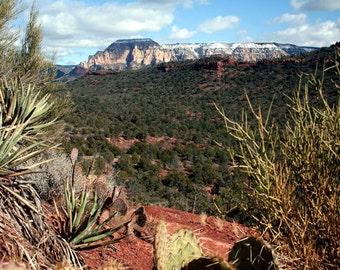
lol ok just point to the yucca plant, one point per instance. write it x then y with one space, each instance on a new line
26 118
22 126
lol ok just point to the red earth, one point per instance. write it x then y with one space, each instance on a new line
136 252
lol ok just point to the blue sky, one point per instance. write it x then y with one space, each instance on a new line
75 29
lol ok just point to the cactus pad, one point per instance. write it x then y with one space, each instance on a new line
251 253
172 252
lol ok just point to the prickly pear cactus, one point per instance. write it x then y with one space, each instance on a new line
172 252
184 247
160 245
252 253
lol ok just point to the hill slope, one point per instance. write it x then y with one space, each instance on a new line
166 119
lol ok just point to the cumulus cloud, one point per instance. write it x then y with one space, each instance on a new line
292 19
177 33
68 22
218 23
318 34
313 5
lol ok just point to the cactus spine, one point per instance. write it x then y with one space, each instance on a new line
161 241
172 252
252 253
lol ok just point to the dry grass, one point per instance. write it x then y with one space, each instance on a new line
25 233
294 176
219 223
203 218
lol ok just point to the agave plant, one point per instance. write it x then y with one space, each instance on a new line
79 218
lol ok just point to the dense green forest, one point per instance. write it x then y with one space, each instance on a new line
177 101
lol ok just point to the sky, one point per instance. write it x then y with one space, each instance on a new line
75 29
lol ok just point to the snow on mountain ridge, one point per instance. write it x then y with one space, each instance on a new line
185 51
222 46
136 53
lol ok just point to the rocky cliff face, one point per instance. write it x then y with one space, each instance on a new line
129 54
137 53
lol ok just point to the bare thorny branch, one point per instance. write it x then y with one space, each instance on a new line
295 174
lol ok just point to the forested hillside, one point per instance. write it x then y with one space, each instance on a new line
175 139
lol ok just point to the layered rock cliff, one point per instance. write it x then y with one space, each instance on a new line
129 54
137 53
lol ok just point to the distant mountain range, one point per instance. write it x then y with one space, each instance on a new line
136 53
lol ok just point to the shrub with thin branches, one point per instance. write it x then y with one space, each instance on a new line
294 174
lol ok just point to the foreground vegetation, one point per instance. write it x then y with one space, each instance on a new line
29 115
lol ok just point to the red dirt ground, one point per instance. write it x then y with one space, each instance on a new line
216 236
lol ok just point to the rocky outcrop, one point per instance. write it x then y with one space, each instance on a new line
137 53
129 54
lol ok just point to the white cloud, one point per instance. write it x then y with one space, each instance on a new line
243 36
66 23
187 4
160 1
313 5
318 34
292 19
242 32
218 23
177 33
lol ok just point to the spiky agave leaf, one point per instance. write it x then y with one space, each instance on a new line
79 220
